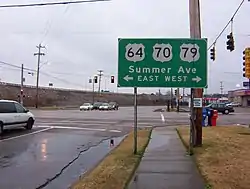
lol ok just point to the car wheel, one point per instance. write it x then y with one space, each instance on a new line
226 112
1 128
30 124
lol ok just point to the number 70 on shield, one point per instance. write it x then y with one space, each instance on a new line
162 52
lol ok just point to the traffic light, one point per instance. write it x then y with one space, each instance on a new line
246 63
230 42
95 79
21 93
175 92
112 79
212 53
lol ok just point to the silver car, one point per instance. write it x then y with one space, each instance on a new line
105 106
86 106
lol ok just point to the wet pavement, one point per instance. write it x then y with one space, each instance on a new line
63 145
40 159
166 165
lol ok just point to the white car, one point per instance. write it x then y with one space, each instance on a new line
13 114
105 106
234 104
86 106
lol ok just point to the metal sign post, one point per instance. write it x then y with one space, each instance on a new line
135 120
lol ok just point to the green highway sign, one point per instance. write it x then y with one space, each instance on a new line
180 63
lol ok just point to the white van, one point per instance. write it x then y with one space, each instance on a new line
13 114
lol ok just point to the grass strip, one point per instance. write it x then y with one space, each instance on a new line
223 159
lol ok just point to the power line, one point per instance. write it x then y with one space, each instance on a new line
229 22
59 79
15 66
50 4
79 74
43 73
49 24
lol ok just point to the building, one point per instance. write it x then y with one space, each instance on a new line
241 96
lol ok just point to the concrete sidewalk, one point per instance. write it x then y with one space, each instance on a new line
165 164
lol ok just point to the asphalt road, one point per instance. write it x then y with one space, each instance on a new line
66 143
63 145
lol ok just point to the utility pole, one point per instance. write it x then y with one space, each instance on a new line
100 79
21 90
196 113
221 88
39 54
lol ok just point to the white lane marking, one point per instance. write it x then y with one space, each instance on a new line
143 126
115 131
15 137
84 121
162 118
62 123
79 128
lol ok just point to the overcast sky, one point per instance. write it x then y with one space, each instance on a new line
82 38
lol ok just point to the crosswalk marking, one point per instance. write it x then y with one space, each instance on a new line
78 128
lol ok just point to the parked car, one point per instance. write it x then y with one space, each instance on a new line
233 104
86 106
105 106
114 105
96 105
13 114
221 107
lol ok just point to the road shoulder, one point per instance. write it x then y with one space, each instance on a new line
118 166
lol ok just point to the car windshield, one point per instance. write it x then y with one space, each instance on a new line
105 104
112 103
86 104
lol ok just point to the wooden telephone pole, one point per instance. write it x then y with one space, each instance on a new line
196 113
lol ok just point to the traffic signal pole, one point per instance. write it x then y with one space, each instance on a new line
196 113
93 90
178 100
21 91
171 98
